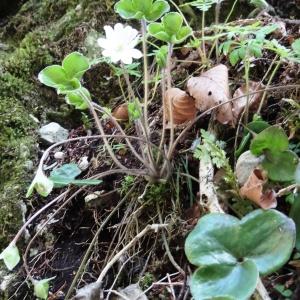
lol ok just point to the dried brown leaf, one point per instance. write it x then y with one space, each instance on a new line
183 106
240 104
211 89
121 112
253 190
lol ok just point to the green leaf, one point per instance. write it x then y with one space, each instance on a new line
75 65
41 288
203 5
41 183
234 56
281 166
228 282
296 46
10 256
295 215
273 139
134 110
161 56
266 237
159 8
75 98
53 76
170 29
64 175
142 9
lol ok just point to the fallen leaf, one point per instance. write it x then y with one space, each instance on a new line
211 89
121 112
183 106
245 165
240 104
253 190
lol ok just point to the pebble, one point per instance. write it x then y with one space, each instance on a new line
53 133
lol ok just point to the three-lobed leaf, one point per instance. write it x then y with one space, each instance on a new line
170 29
142 9
262 240
67 77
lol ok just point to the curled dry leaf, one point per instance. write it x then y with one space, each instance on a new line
211 89
253 190
121 112
240 104
183 106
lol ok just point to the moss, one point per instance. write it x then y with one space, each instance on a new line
16 149
39 34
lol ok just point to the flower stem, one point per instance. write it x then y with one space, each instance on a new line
146 74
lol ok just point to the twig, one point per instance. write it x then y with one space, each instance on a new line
87 254
154 227
171 258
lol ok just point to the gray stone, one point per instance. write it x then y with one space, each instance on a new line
53 133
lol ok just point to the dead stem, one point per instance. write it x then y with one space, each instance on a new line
153 227
87 254
171 258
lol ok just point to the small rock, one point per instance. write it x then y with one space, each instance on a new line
53 133
59 155
83 163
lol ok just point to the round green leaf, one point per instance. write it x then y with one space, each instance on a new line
159 8
172 23
281 166
75 65
273 139
265 237
53 76
227 282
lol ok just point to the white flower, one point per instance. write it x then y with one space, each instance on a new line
41 184
119 43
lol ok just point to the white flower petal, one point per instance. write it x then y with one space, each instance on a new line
120 43
104 43
126 59
109 32
118 27
135 53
